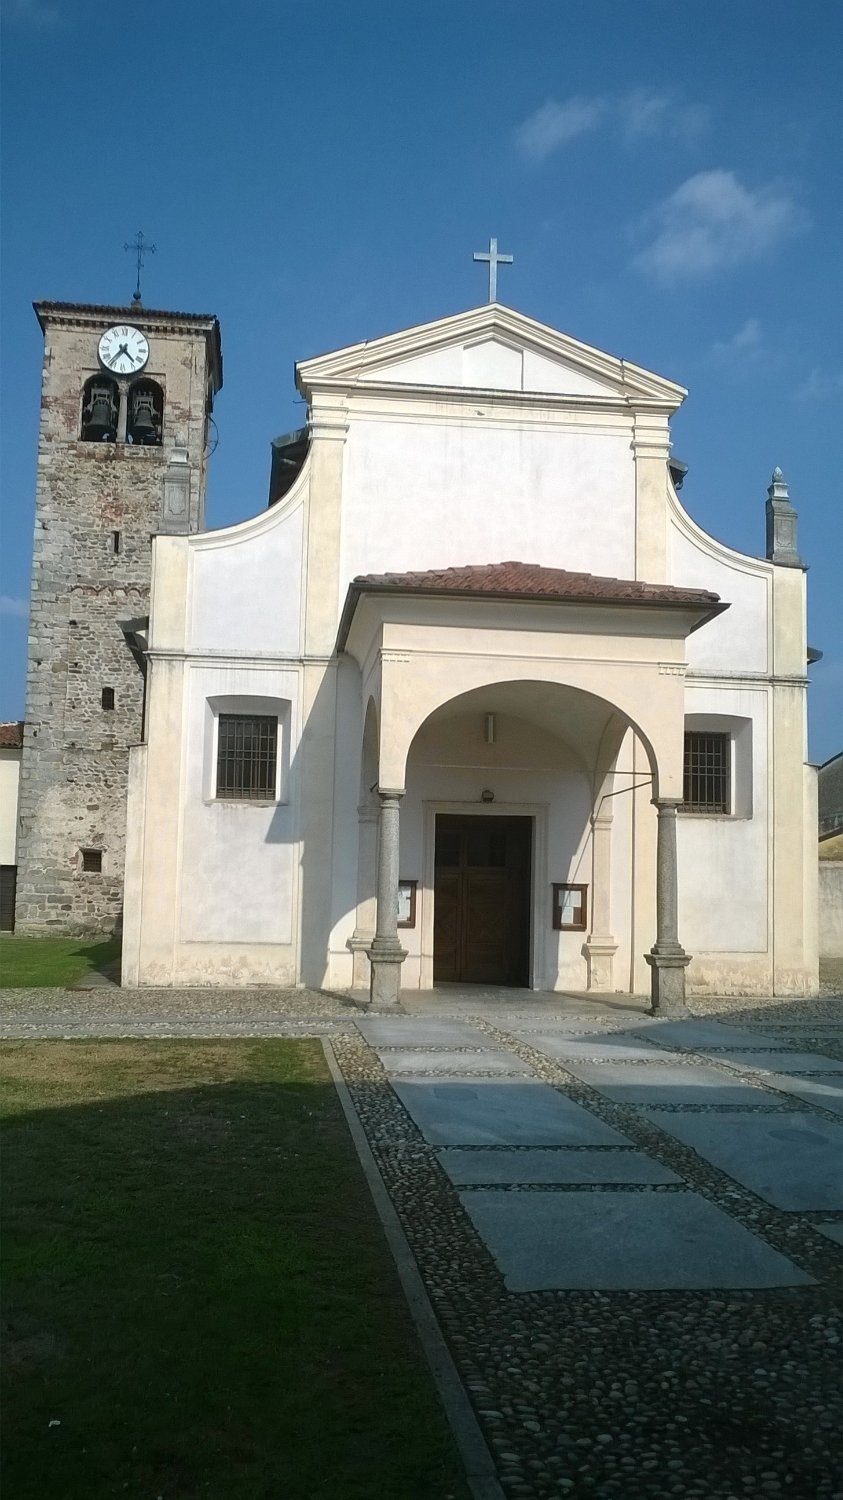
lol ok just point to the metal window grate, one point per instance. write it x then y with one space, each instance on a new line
707 758
92 861
246 757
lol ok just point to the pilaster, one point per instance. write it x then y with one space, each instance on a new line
651 450
600 946
364 929
329 427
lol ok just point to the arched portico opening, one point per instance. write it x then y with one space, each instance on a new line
507 816
553 784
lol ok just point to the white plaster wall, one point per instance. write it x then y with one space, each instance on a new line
426 495
9 789
724 862
238 860
831 909
738 640
246 586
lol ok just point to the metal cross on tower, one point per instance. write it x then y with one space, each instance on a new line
141 249
494 260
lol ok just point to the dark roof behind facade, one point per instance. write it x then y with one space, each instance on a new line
830 786
516 580
11 735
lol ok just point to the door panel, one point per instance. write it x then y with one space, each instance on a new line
482 900
445 925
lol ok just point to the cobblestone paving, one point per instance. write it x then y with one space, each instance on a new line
109 1011
651 1394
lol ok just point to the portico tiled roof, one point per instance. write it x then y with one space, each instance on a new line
531 580
11 735
517 580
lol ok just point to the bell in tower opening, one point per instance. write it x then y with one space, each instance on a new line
146 414
100 406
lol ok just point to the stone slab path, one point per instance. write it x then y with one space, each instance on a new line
633 1244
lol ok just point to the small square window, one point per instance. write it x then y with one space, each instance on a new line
707 787
247 753
92 861
108 697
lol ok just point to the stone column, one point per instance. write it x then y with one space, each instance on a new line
667 958
364 928
386 954
600 946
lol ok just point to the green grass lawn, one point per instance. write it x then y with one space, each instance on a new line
199 1301
26 962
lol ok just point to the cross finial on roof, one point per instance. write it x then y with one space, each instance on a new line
494 260
141 248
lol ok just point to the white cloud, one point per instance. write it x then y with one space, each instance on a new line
10 606
36 14
554 125
639 115
820 385
742 347
644 114
713 222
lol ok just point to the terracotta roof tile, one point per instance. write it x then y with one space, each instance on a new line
11 735
530 580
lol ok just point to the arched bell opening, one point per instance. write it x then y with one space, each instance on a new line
145 415
100 410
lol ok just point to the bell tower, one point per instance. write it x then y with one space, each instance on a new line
126 402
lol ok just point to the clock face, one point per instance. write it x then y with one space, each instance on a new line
123 350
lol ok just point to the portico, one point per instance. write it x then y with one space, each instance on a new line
578 667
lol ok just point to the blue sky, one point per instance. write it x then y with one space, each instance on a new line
667 176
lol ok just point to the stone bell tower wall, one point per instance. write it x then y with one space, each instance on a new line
98 504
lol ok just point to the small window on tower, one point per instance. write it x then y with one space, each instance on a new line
92 861
100 405
146 414
108 697
117 543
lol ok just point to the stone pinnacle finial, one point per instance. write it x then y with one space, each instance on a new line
781 524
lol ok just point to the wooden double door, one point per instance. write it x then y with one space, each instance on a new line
481 931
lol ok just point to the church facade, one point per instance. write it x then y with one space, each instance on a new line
475 700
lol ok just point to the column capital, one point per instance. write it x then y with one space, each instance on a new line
666 804
391 794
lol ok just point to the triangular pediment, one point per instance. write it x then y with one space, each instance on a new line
488 348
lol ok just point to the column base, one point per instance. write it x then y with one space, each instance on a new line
358 945
385 982
599 953
667 983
